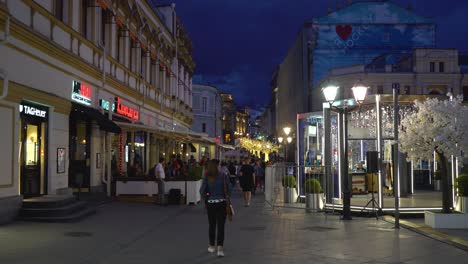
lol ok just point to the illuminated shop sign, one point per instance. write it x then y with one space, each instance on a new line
104 104
125 110
32 110
81 93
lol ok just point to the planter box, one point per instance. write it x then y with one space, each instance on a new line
150 188
462 204
448 221
290 195
314 202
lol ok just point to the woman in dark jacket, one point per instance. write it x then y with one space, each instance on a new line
213 190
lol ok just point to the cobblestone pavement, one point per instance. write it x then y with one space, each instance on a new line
145 233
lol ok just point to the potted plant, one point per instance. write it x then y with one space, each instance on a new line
462 198
437 180
289 184
314 195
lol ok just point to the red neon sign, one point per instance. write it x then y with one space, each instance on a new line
125 110
85 91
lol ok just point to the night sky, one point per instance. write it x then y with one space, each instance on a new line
238 43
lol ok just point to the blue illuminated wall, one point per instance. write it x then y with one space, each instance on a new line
357 34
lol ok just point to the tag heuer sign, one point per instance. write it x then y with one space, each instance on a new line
81 93
33 110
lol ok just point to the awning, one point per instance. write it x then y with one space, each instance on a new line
102 120
226 146
192 148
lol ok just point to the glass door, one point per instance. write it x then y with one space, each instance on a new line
31 158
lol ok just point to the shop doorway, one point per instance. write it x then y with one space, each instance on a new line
79 173
33 157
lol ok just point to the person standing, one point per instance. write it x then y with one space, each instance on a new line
160 176
216 189
259 174
247 181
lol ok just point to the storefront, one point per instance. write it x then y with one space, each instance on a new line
369 136
88 127
33 149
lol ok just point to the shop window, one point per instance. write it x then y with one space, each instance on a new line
80 141
227 138
432 66
32 145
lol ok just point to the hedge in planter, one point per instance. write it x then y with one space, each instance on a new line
313 186
289 181
462 185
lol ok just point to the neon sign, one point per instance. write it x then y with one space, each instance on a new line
81 93
125 110
106 105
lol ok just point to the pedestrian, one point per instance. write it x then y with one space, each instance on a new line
232 173
259 175
216 189
160 176
247 181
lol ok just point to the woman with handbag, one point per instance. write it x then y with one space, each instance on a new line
216 190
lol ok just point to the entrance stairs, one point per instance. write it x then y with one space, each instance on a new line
55 208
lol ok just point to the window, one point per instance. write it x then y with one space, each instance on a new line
204 104
84 18
204 127
380 89
432 67
407 89
441 67
465 93
61 10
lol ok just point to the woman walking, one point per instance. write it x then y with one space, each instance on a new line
216 189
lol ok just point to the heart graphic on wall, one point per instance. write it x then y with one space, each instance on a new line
344 31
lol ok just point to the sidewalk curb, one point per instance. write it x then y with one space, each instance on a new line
431 233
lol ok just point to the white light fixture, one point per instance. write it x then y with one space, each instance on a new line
359 92
289 139
330 92
287 130
280 139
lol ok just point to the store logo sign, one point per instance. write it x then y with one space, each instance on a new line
104 104
31 110
81 93
125 110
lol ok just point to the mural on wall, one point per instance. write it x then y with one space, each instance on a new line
362 31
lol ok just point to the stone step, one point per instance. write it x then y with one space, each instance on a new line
48 201
76 216
64 210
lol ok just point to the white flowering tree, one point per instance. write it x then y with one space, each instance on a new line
436 126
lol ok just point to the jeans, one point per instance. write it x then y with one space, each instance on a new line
216 220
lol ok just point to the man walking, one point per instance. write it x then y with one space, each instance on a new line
160 176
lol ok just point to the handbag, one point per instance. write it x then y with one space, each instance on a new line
229 209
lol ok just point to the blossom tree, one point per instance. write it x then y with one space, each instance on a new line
437 126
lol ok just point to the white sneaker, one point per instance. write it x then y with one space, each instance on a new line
220 253
211 249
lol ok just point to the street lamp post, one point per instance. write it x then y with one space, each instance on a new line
359 92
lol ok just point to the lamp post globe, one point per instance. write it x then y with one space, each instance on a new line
280 140
359 92
287 130
330 92
289 139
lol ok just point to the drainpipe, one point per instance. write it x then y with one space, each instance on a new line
3 72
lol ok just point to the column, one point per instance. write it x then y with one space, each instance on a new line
95 147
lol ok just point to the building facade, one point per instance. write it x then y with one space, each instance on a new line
353 35
207 110
228 118
91 88
242 123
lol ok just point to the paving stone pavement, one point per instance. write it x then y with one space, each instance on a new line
145 233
